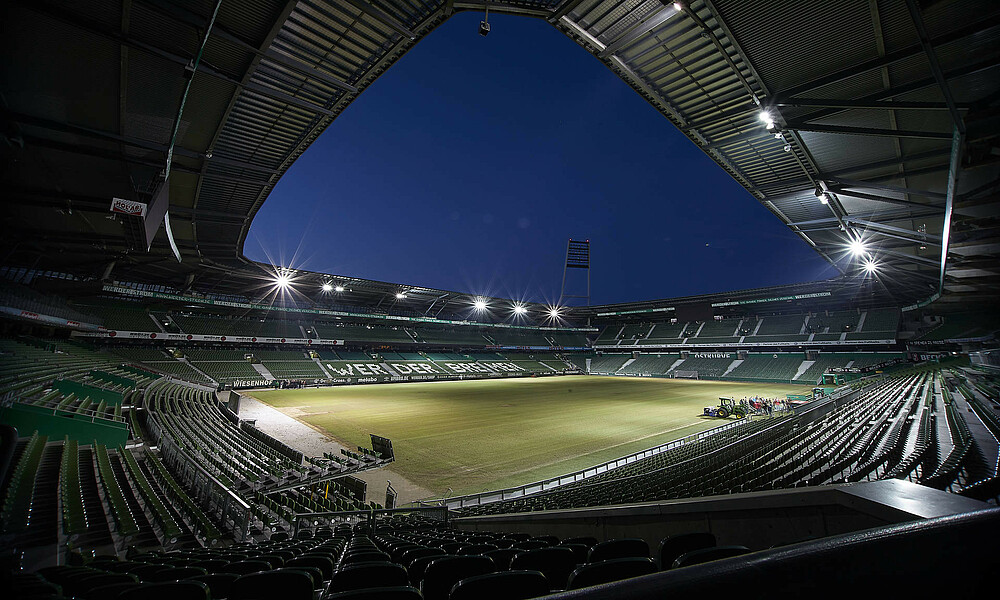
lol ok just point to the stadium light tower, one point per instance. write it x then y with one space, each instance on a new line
577 257
480 304
327 287
282 281
519 309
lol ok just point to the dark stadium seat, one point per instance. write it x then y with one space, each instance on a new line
697 557
554 562
606 571
505 585
445 572
413 554
473 549
623 548
245 567
176 573
323 563
287 585
112 590
587 541
218 584
174 590
502 557
580 551
673 546
415 570
386 593
365 575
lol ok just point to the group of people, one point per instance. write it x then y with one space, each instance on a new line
766 405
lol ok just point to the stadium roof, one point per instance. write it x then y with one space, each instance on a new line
867 106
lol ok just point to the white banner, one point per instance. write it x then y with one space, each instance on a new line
195 337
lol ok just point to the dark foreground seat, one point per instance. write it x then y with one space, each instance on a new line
623 548
443 573
504 585
386 593
673 546
174 590
697 557
555 562
368 575
606 571
286 585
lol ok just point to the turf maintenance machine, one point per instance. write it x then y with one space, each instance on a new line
727 407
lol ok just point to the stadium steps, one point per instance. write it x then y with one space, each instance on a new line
159 326
322 368
803 368
732 366
861 323
194 368
625 364
263 371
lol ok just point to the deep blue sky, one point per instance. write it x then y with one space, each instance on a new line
469 164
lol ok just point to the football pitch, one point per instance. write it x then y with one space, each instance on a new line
486 434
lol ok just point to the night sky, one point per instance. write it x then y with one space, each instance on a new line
469 164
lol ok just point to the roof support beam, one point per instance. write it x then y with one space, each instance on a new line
638 30
864 104
846 192
928 48
796 125
382 17
953 173
889 59
897 232
908 257
196 21
564 9
887 188
99 30
128 141
502 8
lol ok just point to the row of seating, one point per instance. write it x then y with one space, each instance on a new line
402 557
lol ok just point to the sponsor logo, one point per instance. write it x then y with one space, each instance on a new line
128 207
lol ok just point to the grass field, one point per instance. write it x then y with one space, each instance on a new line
479 435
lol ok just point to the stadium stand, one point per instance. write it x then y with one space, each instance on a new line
361 333
879 324
702 368
663 333
719 329
963 327
121 316
608 363
779 368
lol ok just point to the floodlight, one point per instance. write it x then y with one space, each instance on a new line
554 312
870 267
678 6
400 295
339 288
282 280
327 287
479 304
519 309
858 247
765 117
